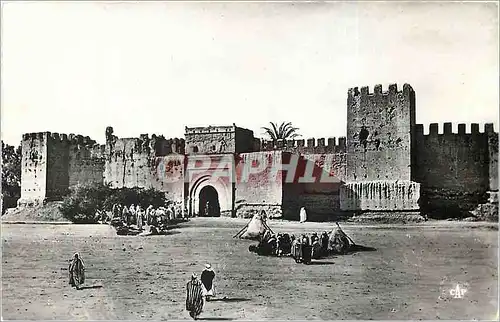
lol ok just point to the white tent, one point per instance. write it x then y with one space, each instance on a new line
254 229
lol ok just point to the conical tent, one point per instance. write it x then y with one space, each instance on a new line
254 229
339 241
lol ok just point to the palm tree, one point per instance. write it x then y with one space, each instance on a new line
284 132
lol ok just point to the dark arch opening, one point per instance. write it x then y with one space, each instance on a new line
209 202
363 136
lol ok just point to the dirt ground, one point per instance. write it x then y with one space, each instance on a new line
409 276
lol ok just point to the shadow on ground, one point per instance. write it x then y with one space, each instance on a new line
321 263
89 287
166 233
234 299
361 248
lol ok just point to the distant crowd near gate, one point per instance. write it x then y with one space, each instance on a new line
386 163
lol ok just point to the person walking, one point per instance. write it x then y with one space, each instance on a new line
194 297
207 279
76 272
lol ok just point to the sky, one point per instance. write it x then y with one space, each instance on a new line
153 67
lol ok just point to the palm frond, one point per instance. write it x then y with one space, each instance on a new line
291 133
270 133
276 136
282 132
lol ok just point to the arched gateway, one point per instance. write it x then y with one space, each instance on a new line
211 153
210 197
209 205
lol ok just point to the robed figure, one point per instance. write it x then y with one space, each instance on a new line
297 249
306 250
194 298
207 279
76 272
303 215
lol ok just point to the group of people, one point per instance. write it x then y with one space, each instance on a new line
199 291
302 248
138 218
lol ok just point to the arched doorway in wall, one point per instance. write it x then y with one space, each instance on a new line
208 199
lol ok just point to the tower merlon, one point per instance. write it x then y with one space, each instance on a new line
447 128
342 142
332 141
419 129
434 128
489 128
461 128
377 90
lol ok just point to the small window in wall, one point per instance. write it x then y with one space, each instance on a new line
213 147
195 149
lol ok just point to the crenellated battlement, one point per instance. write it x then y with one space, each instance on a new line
35 136
71 139
210 129
447 129
156 145
309 146
377 91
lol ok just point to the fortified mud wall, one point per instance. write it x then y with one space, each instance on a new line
262 190
218 139
379 150
379 137
456 170
85 161
316 186
319 160
384 164
145 162
53 163
33 169
493 158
